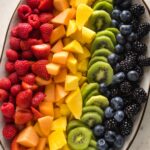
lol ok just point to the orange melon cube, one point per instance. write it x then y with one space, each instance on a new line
50 56
61 5
61 76
28 137
57 47
38 130
41 81
60 58
50 92
60 102
64 17
53 69
58 33
42 144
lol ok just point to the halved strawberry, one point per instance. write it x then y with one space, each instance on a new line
41 51
26 86
46 5
36 113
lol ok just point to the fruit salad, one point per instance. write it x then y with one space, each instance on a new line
73 74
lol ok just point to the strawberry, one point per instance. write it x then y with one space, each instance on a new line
41 51
9 67
12 55
39 68
45 17
14 43
36 113
5 83
45 5
24 99
38 98
33 3
46 30
27 55
34 21
3 95
13 77
12 99
29 78
15 89
26 86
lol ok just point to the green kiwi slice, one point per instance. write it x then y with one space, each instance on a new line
110 34
100 72
79 138
99 20
93 108
109 1
96 59
102 52
99 100
74 124
114 30
103 6
88 88
102 42
91 119
93 143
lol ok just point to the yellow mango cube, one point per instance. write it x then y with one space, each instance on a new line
57 113
53 69
78 74
66 147
64 110
83 65
67 40
71 28
75 3
82 80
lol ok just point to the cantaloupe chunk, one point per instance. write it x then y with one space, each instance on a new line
59 124
61 76
50 92
71 28
28 137
74 103
82 15
38 130
64 110
57 47
71 83
53 69
58 33
61 5
64 17
75 3
74 47
42 144
46 108
57 140
83 65
41 81
45 124
60 92
60 58
57 113
67 40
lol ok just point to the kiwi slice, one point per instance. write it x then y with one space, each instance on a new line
99 100
102 42
74 124
99 20
79 138
103 6
110 34
102 52
93 143
91 119
93 108
96 59
114 30
109 1
100 72
88 88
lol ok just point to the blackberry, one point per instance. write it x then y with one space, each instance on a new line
128 100
126 127
131 54
140 95
114 91
137 10
139 47
132 110
111 124
135 24
143 30
139 70
126 87
143 61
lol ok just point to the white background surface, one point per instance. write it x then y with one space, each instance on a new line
142 141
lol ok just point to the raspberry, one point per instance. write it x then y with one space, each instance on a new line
29 78
8 109
9 67
24 30
46 30
34 21
13 77
22 67
5 83
12 55
12 100
15 89
35 34
9 131
8 120
15 43
38 98
33 3
27 55
24 11
36 11
45 17
14 31
3 95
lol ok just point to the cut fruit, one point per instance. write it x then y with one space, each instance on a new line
64 110
53 69
86 54
67 40
57 113
102 52
50 92
60 78
57 47
72 28
41 81
93 143
76 3
114 30
61 5
42 144
83 65
38 130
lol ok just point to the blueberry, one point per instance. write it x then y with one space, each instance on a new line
133 75
119 142
128 46
110 136
99 130
126 29
120 39
119 77
116 14
113 58
115 23
109 112
119 49
117 67
132 37
117 103
119 116
125 16
102 144
103 88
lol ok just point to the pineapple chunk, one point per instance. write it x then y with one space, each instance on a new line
72 28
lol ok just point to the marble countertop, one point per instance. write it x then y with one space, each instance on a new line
142 140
